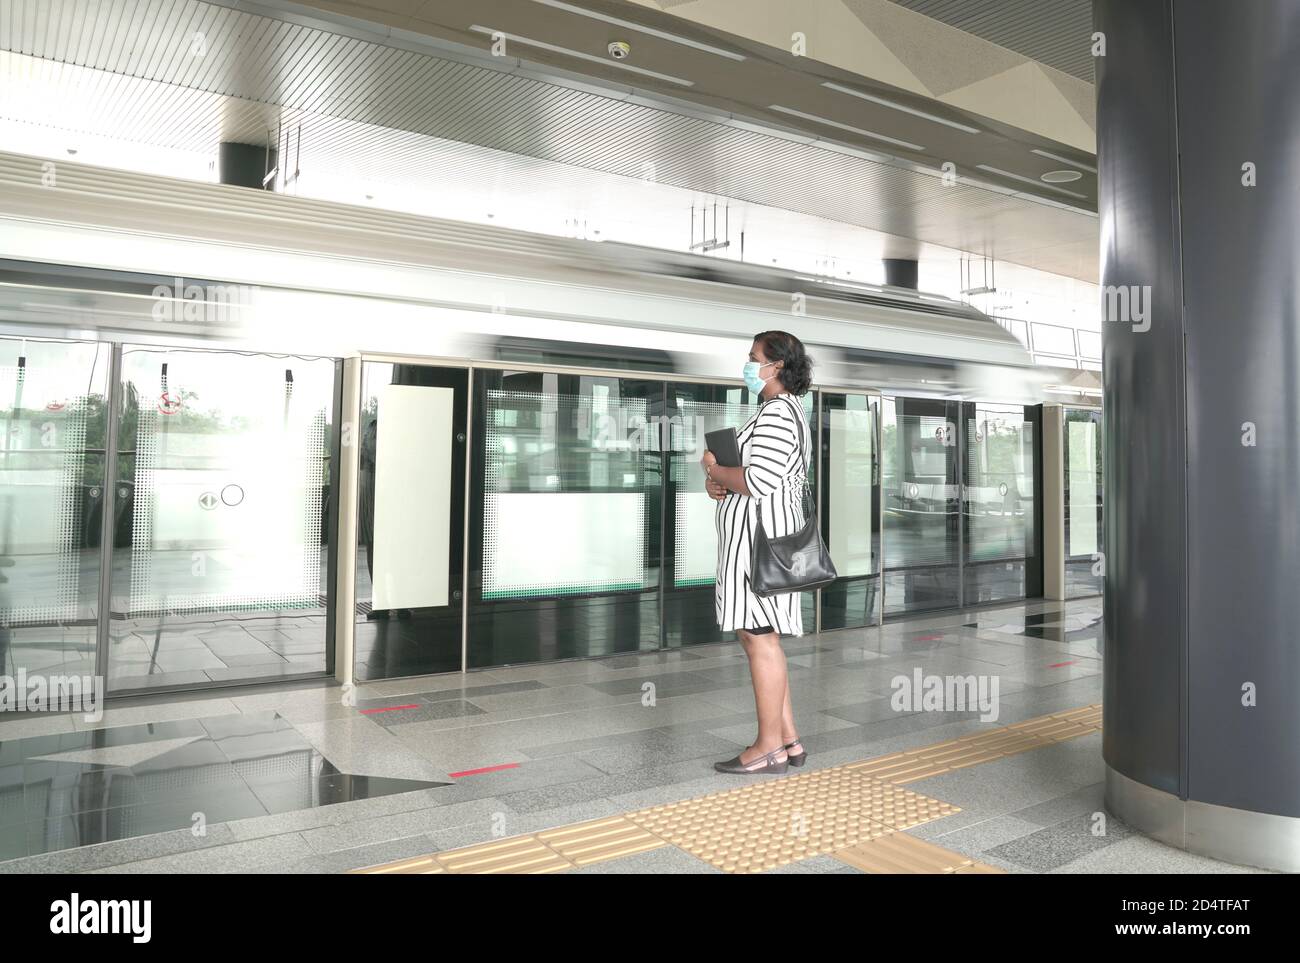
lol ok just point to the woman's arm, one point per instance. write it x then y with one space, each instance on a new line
732 479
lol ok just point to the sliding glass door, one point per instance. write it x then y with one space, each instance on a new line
962 507
920 461
410 520
565 516
691 548
1000 505
850 507
220 555
53 413
1083 503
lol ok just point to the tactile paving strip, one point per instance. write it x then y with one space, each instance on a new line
515 854
768 824
599 840
554 850
901 853
759 827
419 865
904 767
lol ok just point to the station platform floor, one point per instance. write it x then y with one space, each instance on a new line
584 767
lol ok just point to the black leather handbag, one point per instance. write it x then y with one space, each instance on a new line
798 562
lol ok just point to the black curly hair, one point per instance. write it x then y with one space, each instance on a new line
796 371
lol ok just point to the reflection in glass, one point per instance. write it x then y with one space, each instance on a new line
52 419
565 516
920 491
1083 503
999 502
851 491
219 565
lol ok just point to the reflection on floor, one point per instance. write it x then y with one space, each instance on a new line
1055 626
82 788
531 748
149 651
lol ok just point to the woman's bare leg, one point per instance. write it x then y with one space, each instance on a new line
788 731
771 691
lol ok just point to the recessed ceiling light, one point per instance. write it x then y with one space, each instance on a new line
835 123
1060 177
527 42
1027 180
893 106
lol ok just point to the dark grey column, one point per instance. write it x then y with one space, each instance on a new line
1197 100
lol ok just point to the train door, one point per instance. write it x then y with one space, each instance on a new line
411 439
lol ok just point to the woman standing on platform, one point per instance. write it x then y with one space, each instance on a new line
775 451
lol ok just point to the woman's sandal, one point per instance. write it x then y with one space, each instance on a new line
795 760
769 763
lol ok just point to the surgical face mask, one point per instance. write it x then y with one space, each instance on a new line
752 380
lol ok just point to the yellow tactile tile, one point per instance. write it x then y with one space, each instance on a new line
515 854
860 807
969 750
419 865
762 826
599 840
901 853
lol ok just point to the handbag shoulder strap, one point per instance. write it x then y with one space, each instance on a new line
797 410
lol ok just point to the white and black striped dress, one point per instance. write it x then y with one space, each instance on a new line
775 469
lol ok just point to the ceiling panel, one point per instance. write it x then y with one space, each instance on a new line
1054 32
186 74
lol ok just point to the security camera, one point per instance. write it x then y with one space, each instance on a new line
620 50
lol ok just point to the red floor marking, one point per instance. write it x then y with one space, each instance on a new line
366 712
475 772
927 638
1059 664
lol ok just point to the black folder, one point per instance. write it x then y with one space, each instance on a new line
724 446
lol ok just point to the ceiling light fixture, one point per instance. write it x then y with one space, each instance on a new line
893 106
1060 177
515 38
835 123
642 28
1029 180
1065 160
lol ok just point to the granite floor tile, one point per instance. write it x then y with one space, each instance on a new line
1045 849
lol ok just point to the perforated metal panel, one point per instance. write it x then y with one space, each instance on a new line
1055 32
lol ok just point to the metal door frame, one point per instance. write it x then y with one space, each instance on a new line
108 522
349 509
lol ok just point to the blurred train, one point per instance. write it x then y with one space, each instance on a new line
95 254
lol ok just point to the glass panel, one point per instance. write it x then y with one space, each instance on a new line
410 520
919 459
566 516
999 499
1051 362
1049 339
1090 344
52 408
1083 503
852 524
220 564
691 551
